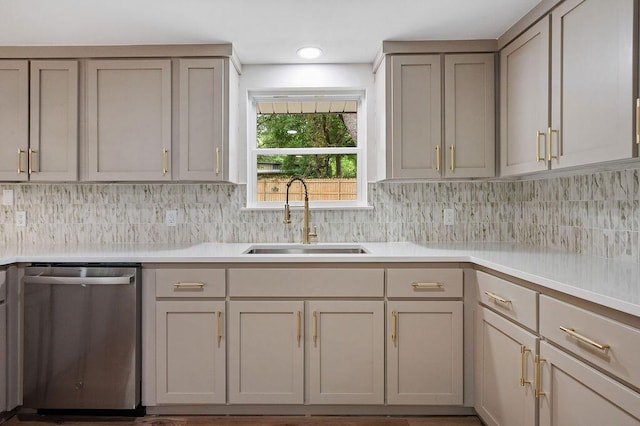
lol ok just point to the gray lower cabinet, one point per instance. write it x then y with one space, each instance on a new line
128 120
190 352
418 146
504 363
266 352
39 120
424 353
4 388
572 393
346 357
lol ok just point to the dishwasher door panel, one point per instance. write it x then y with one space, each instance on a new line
80 346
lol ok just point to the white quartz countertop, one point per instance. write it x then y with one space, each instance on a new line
614 284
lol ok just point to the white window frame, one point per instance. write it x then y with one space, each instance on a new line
307 95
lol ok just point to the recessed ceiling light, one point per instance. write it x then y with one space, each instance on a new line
292 132
309 52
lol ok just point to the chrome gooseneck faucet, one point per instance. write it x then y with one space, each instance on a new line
306 231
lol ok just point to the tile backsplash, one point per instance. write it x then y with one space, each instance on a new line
596 213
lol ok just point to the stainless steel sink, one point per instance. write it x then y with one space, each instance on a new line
310 249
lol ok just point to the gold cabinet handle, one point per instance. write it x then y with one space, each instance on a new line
299 327
638 121
165 161
394 327
453 157
538 393
572 332
219 326
217 161
315 328
193 285
539 134
30 159
20 152
523 365
497 298
437 158
550 133
417 285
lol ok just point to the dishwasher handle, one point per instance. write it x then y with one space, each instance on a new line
49 279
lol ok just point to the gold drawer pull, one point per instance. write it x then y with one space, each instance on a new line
497 298
523 365
217 161
20 152
189 285
550 133
299 326
30 158
538 135
437 158
453 158
572 332
219 326
165 161
315 328
537 392
418 285
394 327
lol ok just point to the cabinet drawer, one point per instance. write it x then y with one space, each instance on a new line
621 356
190 283
509 299
424 283
306 282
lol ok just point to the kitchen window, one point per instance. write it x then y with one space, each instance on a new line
317 136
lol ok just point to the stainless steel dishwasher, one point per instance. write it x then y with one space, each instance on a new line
82 337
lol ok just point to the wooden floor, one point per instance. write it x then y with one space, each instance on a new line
33 420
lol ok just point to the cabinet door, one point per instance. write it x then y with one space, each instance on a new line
575 394
504 359
129 119
201 119
469 111
424 353
190 350
524 101
53 145
14 120
346 357
592 90
416 127
266 352
3 356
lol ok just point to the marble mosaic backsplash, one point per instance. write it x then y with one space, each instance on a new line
595 213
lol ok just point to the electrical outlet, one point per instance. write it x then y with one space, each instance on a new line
171 217
21 219
7 197
449 216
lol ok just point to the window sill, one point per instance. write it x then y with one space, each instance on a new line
312 208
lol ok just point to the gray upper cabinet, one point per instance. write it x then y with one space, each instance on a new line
128 120
421 105
563 105
592 94
39 120
201 119
53 146
469 115
524 101
416 125
14 119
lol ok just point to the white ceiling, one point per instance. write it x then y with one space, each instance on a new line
262 31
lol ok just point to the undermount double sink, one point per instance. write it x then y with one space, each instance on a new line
305 249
